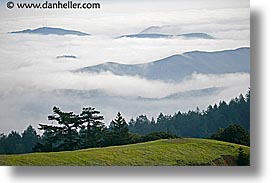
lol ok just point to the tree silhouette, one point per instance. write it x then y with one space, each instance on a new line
29 139
119 129
63 136
92 127
233 133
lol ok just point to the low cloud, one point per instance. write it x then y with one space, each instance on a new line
30 72
32 101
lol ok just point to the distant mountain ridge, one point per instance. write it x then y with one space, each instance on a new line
195 93
177 67
97 93
66 56
168 30
50 31
155 32
155 36
151 29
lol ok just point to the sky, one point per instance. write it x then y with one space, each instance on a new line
30 73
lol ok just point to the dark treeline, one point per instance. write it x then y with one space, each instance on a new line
198 123
15 143
87 130
70 131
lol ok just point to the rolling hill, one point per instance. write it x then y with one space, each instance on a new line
176 152
177 67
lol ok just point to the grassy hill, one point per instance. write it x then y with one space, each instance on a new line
176 152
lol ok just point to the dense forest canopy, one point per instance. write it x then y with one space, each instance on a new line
198 123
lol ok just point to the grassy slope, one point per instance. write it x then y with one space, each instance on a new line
160 152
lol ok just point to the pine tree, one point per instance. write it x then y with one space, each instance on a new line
14 143
92 127
119 129
3 138
29 139
63 136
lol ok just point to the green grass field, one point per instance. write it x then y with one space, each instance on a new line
176 152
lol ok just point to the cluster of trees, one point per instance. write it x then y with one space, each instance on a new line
15 143
198 123
233 133
70 131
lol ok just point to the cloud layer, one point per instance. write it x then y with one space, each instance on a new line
30 72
